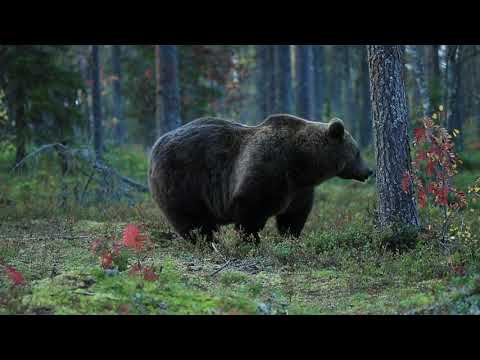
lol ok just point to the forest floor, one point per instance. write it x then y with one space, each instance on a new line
340 265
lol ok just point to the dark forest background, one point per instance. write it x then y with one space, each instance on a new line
110 95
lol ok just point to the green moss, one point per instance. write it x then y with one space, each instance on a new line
95 293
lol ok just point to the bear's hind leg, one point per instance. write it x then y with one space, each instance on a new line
206 231
249 233
292 221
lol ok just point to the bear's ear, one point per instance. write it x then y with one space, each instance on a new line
336 129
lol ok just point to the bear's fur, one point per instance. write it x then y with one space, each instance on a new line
213 172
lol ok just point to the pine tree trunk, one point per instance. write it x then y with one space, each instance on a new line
118 101
96 104
419 72
319 81
85 72
20 126
433 74
336 82
390 118
283 73
349 106
304 77
366 113
168 92
271 90
261 55
454 86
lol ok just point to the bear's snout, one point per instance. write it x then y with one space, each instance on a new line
364 176
368 174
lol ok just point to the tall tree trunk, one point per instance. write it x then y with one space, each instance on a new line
349 101
20 125
336 82
419 72
97 104
283 73
85 71
390 118
477 95
261 54
271 80
319 80
454 86
304 77
366 113
434 76
168 91
118 101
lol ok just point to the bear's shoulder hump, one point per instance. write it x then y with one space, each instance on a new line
205 121
285 120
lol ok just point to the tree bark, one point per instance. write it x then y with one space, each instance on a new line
262 80
366 113
304 77
433 74
319 80
271 90
419 72
118 101
390 118
349 106
336 82
168 91
96 104
283 73
20 125
454 87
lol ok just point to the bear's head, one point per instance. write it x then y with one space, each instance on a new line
350 164
323 151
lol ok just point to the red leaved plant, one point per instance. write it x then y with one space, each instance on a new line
112 253
132 237
433 168
15 276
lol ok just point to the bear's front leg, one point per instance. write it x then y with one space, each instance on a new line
250 219
249 233
292 221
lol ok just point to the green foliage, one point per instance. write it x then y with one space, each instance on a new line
131 161
352 236
41 79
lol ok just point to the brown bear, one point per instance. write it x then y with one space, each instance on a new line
214 172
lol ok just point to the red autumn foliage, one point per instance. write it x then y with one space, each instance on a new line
406 182
420 134
422 155
442 196
132 237
15 276
434 144
96 244
110 251
107 260
430 168
422 198
149 274
136 269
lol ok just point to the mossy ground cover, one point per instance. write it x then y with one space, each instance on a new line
340 265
